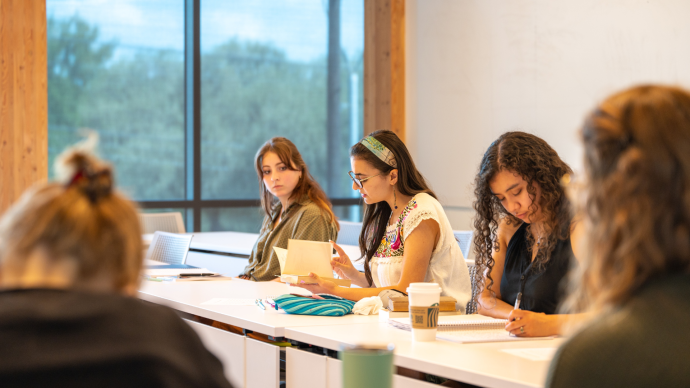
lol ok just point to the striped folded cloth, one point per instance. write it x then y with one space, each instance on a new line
330 305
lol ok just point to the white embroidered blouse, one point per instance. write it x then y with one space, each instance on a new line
447 265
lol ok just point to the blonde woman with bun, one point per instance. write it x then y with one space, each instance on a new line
70 263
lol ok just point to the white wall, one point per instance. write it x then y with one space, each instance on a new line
478 68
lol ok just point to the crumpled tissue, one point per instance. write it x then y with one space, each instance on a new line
368 306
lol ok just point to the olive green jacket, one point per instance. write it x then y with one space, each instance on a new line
303 220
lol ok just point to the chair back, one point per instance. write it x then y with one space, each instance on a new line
472 305
169 248
464 238
163 222
349 233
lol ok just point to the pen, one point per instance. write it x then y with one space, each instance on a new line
260 304
517 301
183 275
252 275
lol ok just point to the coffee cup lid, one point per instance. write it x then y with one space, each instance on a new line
423 287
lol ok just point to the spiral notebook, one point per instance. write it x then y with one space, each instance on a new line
468 328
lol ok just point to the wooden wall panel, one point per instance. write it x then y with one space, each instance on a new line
23 97
384 66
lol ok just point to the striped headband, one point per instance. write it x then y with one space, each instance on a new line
380 151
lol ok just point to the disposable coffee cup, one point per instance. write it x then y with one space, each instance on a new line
367 366
424 310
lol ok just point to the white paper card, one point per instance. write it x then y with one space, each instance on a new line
229 302
534 354
308 256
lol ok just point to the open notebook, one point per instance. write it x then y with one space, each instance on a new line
468 328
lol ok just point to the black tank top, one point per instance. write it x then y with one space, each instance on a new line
543 288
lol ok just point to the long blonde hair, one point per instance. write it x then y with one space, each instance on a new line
80 219
637 202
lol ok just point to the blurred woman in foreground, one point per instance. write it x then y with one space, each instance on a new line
70 263
636 275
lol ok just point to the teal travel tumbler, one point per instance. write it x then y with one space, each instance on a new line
367 366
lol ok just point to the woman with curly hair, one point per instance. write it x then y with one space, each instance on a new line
636 276
525 238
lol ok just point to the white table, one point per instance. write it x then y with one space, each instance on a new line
237 243
480 364
248 362
189 296
483 364
234 243
227 252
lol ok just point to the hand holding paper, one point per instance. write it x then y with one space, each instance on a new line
342 265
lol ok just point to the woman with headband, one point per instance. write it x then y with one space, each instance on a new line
406 236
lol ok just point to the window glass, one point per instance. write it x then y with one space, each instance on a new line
182 211
265 73
236 219
117 67
249 219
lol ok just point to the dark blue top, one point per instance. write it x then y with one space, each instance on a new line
543 288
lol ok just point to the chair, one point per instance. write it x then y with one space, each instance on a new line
164 222
472 305
349 233
169 248
464 238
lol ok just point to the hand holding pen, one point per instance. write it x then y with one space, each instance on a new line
513 317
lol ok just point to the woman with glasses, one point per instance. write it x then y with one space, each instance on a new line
406 236
294 204
525 236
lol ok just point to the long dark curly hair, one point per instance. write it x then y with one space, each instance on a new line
538 164
637 202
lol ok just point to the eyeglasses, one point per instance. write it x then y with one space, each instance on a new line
360 182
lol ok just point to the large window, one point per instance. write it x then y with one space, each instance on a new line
184 92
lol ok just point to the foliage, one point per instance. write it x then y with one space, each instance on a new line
135 100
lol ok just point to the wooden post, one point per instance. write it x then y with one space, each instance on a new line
23 97
384 66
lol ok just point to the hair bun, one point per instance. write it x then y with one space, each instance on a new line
79 167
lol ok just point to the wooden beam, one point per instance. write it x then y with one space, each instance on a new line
23 97
384 66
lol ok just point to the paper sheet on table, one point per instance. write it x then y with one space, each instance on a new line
282 257
534 354
229 302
